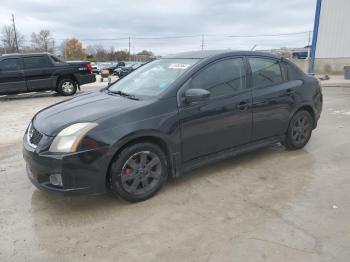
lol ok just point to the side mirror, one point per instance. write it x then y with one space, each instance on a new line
196 95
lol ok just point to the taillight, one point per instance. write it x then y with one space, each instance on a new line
89 67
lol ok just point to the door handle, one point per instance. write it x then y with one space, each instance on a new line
260 103
242 106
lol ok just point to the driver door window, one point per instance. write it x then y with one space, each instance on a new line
224 78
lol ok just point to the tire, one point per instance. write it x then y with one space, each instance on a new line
138 172
299 130
66 87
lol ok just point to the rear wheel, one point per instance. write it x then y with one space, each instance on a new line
66 87
138 172
299 130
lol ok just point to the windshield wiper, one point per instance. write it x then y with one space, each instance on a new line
121 93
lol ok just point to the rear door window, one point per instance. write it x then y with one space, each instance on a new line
10 64
265 72
35 62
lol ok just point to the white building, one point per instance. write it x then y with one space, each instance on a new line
332 45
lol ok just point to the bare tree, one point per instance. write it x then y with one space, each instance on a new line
90 50
101 53
111 54
122 55
145 55
8 39
43 41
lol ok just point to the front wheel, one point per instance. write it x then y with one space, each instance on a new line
139 172
66 87
299 130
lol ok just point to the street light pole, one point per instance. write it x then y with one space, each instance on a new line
314 36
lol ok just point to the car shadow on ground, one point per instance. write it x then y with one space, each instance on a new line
99 204
256 159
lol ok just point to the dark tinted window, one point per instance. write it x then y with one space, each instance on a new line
222 78
56 59
10 64
266 72
35 62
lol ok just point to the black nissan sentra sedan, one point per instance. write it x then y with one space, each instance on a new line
167 117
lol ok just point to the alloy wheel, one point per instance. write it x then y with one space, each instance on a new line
301 130
141 173
67 87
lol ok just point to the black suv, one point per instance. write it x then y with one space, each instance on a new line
167 117
20 73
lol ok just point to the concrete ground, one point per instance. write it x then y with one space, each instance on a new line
268 205
335 80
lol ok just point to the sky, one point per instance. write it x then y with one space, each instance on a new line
111 22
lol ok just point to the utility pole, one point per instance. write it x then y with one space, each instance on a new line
202 45
14 31
129 49
307 66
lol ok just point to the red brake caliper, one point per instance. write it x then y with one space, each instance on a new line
127 171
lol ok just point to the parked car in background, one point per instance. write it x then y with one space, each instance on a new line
20 73
102 66
124 71
111 67
299 55
167 117
117 70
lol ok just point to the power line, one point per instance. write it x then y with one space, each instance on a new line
96 39
261 35
188 36
165 37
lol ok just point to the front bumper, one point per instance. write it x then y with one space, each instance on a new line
83 173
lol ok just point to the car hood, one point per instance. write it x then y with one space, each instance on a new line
91 107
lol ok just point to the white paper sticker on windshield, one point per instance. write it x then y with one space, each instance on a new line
179 66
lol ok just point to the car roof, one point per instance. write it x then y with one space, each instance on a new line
11 55
213 53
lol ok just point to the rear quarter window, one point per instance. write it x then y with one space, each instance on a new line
35 62
56 59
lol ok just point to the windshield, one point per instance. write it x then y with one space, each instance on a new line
136 66
152 78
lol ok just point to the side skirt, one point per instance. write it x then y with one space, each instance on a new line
212 158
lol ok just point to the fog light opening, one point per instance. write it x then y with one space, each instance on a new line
56 180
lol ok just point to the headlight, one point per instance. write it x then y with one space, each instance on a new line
68 139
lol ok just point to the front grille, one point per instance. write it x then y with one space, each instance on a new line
34 136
